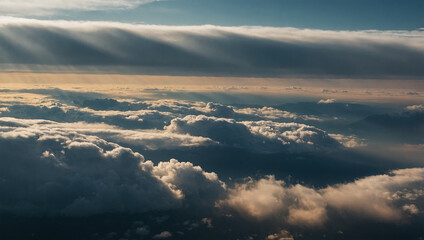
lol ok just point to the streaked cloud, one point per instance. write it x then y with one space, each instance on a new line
48 7
210 50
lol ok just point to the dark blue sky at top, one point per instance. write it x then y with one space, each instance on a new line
320 14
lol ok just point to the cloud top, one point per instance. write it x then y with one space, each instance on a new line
384 198
262 136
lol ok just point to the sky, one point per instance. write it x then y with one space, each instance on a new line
323 14
195 119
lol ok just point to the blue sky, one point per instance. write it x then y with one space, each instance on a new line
323 14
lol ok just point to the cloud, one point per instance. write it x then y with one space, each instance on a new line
405 128
386 198
274 114
327 101
349 141
376 197
148 139
411 208
282 235
415 108
210 50
197 186
270 198
64 172
411 93
164 234
50 7
4 109
263 136
67 172
208 222
143 230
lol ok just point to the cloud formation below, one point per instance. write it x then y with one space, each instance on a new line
386 198
69 173
66 173
211 50
266 136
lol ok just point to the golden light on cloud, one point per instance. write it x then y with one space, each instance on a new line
364 90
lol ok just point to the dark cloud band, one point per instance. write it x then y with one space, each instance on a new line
211 50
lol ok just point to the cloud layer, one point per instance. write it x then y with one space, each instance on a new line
264 136
211 50
75 157
46 7
65 172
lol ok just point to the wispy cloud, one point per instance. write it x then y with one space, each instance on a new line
48 7
211 50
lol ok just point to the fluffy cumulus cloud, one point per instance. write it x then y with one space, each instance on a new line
386 198
77 156
168 124
69 173
147 139
265 136
271 198
381 197
196 185
210 50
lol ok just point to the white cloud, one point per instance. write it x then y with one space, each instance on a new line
191 181
72 173
273 114
387 198
264 136
4 109
271 198
45 7
327 101
103 46
376 197
148 139
349 141
415 108
259 199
